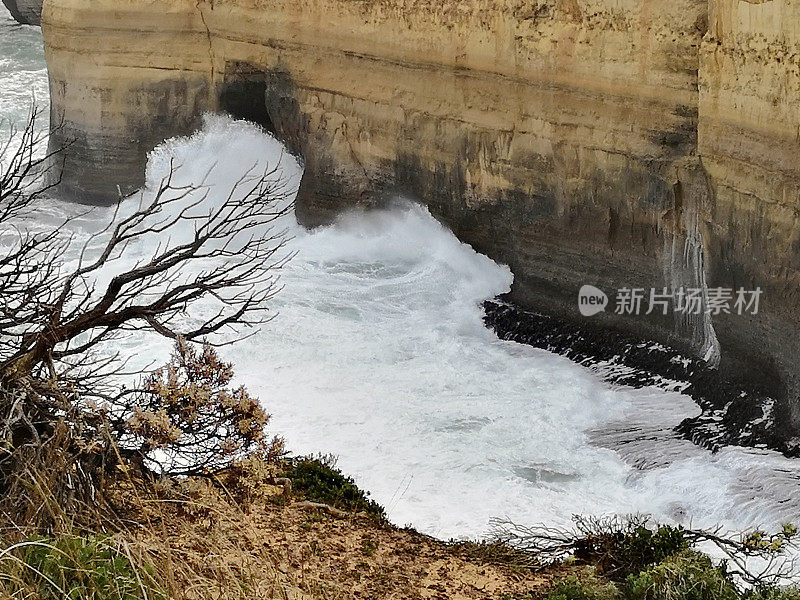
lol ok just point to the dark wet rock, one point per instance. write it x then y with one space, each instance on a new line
735 410
27 12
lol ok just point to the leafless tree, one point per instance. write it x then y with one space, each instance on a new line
614 544
62 302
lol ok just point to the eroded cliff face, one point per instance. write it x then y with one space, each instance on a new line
557 136
27 12
749 141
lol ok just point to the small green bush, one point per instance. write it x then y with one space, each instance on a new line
655 546
688 575
73 568
773 593
320 481
586 586
619 548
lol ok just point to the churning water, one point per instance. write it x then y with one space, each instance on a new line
23 76
378 354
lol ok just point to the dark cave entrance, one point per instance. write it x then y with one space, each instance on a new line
267 98
244 95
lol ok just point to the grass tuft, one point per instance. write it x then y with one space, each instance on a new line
74 568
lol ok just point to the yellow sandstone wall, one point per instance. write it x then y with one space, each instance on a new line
585 84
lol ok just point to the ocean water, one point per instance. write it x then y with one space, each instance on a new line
377 354
23 75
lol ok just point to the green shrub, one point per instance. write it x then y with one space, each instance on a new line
688 575
773 593
655 546
586 586
620 547
320 481
73 568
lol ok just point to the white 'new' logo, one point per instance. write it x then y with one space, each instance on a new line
591 300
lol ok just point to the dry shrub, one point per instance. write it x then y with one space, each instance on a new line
188 420
252 479
65 426
54 480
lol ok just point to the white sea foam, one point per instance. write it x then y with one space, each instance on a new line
378 354
23 76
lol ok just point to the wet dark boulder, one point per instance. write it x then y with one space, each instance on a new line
27 12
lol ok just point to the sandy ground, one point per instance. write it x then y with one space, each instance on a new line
209 545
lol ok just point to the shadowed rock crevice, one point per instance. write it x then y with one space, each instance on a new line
243 95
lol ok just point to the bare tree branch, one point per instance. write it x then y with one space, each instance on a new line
187 260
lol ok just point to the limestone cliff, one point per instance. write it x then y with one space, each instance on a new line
749 140
27 12
558 136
